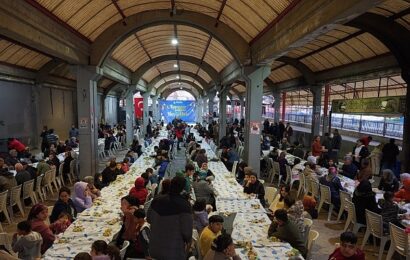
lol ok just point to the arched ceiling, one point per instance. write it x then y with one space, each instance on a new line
181 85
168 92
180 82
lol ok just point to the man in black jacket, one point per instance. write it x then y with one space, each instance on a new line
254 186
390 152
170 217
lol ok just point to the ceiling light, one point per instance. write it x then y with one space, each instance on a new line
175 65
180 88
179 83
177 77
174 41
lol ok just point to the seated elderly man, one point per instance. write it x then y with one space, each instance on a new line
12 159
349 169
22 175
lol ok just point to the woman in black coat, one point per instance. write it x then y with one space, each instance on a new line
388 182
364 198
63 204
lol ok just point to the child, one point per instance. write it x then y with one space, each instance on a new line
143 234
390 211
26 242
200 215
128 230
61 224
348 248
83 256
101 251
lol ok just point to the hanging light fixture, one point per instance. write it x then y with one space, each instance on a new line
174 41
175 65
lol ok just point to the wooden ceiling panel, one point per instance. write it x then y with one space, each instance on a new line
405 21
187 66
150 74
130 53
204 75
284 73
239 87
63 71
104 83
217 55
17 55
388 8
132 7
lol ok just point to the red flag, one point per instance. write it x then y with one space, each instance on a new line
138 106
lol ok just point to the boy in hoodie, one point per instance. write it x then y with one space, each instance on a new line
26 242
139 191
143 234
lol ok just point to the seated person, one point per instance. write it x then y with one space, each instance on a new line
200 215
125 165
203 190
139 191
364 198
108 174
212 231
365 172
404 193
143 235
278 202
163 166
118 169
282 165
204 172
285 230
222 248
22 175
228 157
26 243
128 229
94 192
348 248
201 157
333 182
240 172
82 199
254 186
101 250
390 211
349 169
295 210
388 182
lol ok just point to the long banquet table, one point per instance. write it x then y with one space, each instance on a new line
103 220
251 222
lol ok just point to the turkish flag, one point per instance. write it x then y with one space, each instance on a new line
138 106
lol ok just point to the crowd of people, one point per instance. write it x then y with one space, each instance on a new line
159 213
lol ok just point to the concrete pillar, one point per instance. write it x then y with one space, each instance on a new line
254 77
241 103
222 113
35 116
129 117
283 106
317 103
325 110
211 97
406 125
145 114
276 115
87 77
155 109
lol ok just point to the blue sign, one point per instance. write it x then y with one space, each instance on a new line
184 110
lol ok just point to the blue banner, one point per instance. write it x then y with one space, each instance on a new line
184 110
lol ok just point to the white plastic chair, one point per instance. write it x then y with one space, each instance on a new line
5 241
234 166
270 194
15 195
54 178
375 227
47 180
351 217
276 171
39 190
28 192
307 222
399 242
288 175
343 196
3 205
325 197
314 186
312 237
124 248
50 210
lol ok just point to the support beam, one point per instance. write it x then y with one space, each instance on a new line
276 116
254 77
309 19
211 97
155 108
317 103
117 72
201 81
325 110
222 113
307 73
163 87
23 23
43 72
145 115
87 78
283 106
169 91
106 42
213 73
129 117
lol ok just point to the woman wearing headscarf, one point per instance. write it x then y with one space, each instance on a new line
37 215
63 204
81 198
333 182
388 182
364 198
139 191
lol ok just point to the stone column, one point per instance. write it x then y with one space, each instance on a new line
254 77
325 111
87 77
155 109
317 103
35 116
129 117
222 113
276 116
145 114
211 96
241 103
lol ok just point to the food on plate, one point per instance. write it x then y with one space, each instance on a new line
113 221
120 194
256 206
240 243
257 221
97 214
107 232
293 252
105 211
78 228
97 202
63 240
274 239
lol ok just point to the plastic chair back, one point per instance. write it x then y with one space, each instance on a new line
125 245
28 187
399 239
375 223
312 237
270 194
